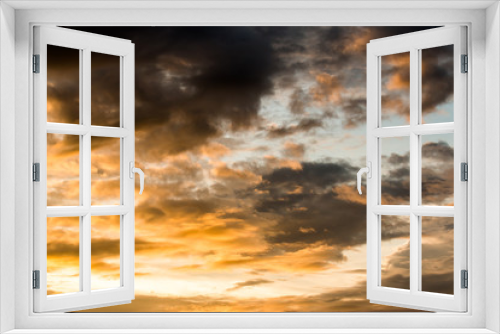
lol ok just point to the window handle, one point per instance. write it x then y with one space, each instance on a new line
139 171
368 171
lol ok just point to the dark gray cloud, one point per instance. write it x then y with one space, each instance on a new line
299 101
440 151
437 173
305 125
354 110
56 249
437 76
63 85
190 80
313 213
105 89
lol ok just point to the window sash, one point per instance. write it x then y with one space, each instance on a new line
413 43
86 43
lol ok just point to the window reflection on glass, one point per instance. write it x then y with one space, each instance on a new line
437 84
105 83
437 254
105 248
63 255
395 90
395 252
63 85
105 156
63 169
437 170
395 170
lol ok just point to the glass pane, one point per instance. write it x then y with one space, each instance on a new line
63 85
437 254
395 90
437 169
105 155
63 170
105 80
395 170
105 249
395 252
437 84
63 255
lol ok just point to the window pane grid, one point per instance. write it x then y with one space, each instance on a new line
85 211
443 101
415 211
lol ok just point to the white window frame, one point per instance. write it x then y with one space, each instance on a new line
86 44
413 43
483 99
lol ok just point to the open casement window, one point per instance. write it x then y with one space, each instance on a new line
416 190
84 168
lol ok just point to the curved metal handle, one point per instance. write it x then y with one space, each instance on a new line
368 171
139 171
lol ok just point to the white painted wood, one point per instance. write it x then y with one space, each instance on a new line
434 129
470 322
419 210
256 331
95 210
86 43
417 129
415 158
492 163
248 4
7 167
394 131
413 43
75 129
86 178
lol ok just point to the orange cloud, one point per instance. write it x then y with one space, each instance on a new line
293 150
328 88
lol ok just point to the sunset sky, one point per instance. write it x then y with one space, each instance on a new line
250 139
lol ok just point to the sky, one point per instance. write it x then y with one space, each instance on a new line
250 139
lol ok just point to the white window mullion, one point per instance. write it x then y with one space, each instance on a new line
103 131
414 174
40 156
86 162
81 127
68 129
460 155
373 183
80 130
434 129
127 122
123 173
396 131
80 211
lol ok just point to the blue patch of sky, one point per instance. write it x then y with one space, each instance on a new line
443 113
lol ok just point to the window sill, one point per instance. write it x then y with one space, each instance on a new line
248 331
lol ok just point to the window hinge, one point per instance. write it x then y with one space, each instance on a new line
36 172
465 64
36 63
36 279
465 279
464 171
